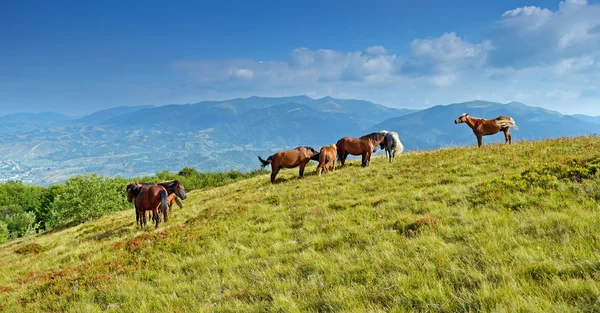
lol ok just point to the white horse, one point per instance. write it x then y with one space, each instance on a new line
391 144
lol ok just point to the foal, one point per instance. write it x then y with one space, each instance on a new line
327 157
482 127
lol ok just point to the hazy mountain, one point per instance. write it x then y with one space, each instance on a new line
28 121
104 115
209 135
434 127
587 118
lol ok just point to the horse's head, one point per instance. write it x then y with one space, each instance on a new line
133 190
180 190
462 118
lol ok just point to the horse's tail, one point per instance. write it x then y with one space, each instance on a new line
137 215
514 125
266 162
510 122
164 203
396 143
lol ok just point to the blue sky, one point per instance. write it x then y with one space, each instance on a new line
75 57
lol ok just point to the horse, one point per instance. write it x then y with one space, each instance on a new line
148 199
327 157
391 144
175 190
482 127
363 146
298 156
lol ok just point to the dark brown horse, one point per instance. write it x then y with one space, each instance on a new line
298 156
150 198
482 127
174 188
363 146
327 157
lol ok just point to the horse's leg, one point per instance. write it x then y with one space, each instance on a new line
157 219
363 162
301 173
479 141
274 171
505 131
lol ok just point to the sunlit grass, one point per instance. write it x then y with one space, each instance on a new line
458 229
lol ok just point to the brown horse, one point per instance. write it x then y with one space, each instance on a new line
298 156
174 188
363 146
150 198
482 127
327 157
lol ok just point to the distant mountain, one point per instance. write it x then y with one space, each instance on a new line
102 116
209 135
587 118
209 114
435 128
29 121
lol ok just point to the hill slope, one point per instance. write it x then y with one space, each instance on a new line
434 127
502 228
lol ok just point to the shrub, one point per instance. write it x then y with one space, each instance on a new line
87 197
4 235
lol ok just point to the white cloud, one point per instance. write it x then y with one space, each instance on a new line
533 36
243 73
532 54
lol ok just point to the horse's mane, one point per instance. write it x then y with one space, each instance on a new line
308 148
373 136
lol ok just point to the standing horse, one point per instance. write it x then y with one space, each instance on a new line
392 145
327 157
363 146
298 156
175 190
482 127
148 199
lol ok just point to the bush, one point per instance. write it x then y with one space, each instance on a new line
18 222
4 235
87 197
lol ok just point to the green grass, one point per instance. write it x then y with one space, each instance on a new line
502 228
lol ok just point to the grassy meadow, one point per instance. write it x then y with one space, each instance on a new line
502 228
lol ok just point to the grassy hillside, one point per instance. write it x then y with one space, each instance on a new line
502 228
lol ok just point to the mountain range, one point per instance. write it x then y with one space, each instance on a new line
48 147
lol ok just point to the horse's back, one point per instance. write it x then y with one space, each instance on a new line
149 197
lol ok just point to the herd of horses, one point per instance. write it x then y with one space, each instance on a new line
159 198
366 145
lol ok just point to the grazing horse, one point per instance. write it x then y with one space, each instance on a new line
327 157
298 156
482 127
363 146
148 199
391 144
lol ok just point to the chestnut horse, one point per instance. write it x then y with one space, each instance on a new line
298 156
327 157
148 199
482 127
363 146
174 188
